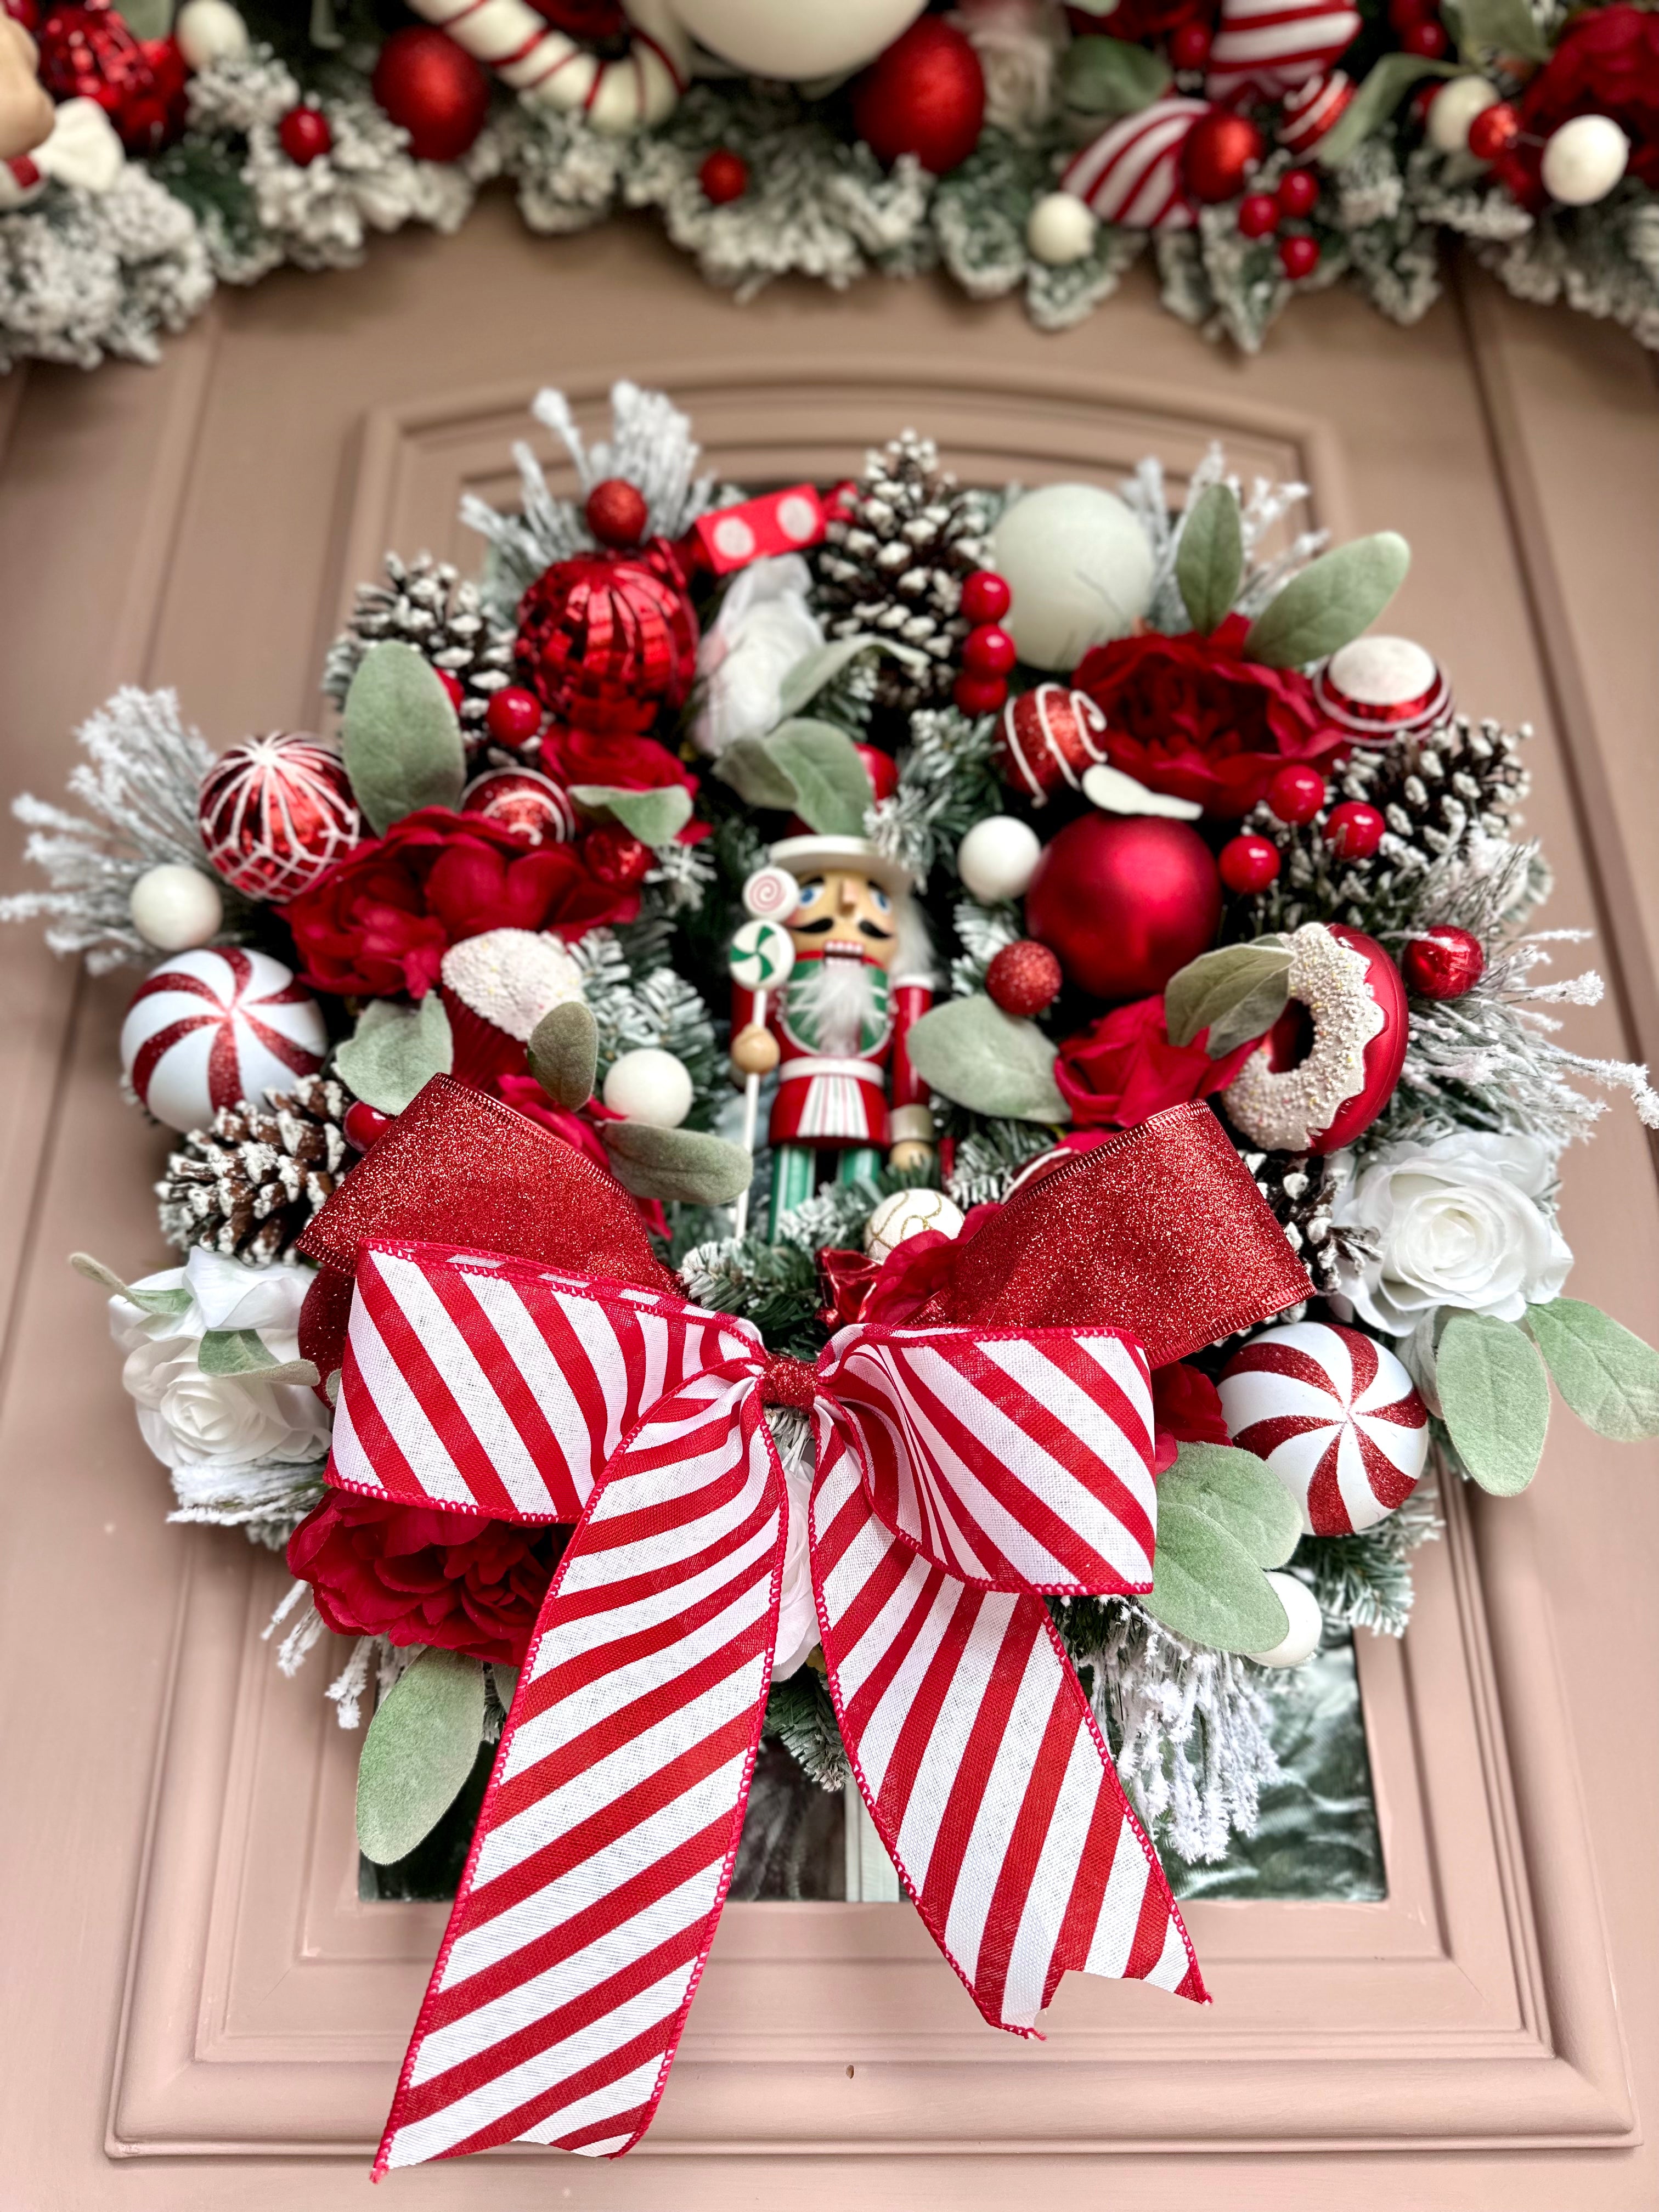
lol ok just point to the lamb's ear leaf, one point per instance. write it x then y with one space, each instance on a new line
758 779
1210 566
564 1053
1103 76
178 1301
1223 1518
395 1051
684 1165
1330 602
833 790
1386 85
401 736
971 1052
655 817
419 1751
1236 994
1495 1398
1608 1377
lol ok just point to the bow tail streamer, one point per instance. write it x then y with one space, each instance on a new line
606 1839
983 1767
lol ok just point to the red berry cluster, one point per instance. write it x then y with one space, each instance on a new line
988 654
1417 25
1189 45
1354 830
304 136
1261 214
724 177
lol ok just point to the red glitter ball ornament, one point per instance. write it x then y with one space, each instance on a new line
1445 963
1221 150
979 695
614 858
925 95
607 641
724 177
514 715
989 651
1355 830
1050 737
1124 900
1024 978
276 812
985 597
1298 193
524 802
87 53
1494 131
434 89
1296 792
304 136
1258 215
1298 257
616 514
1248 863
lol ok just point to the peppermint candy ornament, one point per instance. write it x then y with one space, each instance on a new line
1378 689
210 1029
1269 48
547 68
275 813
1336 1416
1312 109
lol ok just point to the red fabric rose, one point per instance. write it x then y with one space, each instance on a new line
1607 63
1123 1069
1186 1410
614 758
1190 716
418 1576
382 919
891 1290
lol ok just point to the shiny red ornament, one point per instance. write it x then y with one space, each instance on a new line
275 813
1296 793
364 1125
454 688
1050 737
1298 193
1124 900
1428 42
1494 131
432 88
606 642
1189 45
1402 14
1298 257
1355 829
1445 963
87 53
1024 978
614 858
925 95
514 715
724 177
881 769
980 695
304 136
989 651
616 514
1258 215
24 12
1221 150
1248 863
985 597
524 802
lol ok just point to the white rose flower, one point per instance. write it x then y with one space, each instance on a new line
1454 1223
763 628
1018 43
189 1419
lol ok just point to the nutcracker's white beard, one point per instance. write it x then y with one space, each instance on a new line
839 999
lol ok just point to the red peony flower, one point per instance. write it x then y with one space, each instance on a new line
381 920
420 1577
1123 1069
1607 63
614 758
1190 716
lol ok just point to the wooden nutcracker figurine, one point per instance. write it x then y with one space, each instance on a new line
836 1029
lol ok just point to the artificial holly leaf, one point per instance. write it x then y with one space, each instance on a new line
655 817
1385 86
1210 566
1223 1518
970 1051
419 1750
1329 603
687 1166
1608 1377
1111 76
177 1301
1498 27
564 1053
395 1051
748 766
1495 1399
1237 993
833 790
401 736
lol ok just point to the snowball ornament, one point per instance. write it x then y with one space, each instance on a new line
649 1085
207 1030
781 39
1454 107
1307 1623
1584 160
998 858
906 1213
1336 1416
1059 230
1079 567
174 908
209 31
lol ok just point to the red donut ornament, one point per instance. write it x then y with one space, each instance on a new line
1301 1094
1335 1415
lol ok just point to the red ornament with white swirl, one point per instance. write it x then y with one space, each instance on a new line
275 813
1268 47
1336 1416
607 641
1287 1099
550 69
1132 173
524 801
1379 689
209 1029
1049 738
1312 109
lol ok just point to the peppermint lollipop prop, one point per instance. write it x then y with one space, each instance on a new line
762 955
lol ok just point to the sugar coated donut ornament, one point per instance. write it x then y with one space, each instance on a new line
209 1029
1335 1415
1378 689
1081 569
908 1213
1356 1001
1050 737
275 813
497 987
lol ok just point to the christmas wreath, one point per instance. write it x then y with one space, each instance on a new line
1023 145
1131 953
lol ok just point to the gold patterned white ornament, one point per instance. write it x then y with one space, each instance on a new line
906 1214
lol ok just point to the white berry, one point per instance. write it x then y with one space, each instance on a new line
175 908
1584 160
906 1214
1301 1640
649 1085
998 858
1456 104
1060 229
209 31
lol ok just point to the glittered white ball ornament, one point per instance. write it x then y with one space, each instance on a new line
1584 160
208 1028
1079 567
649 1085
1456 105
782 38
1060 229
174 908
906 1213
1307 1623
998 858
209 31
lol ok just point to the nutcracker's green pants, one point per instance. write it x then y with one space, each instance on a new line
794 1174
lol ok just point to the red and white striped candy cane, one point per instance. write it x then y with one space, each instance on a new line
548 65
1269 47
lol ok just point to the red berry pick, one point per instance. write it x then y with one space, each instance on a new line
614 858
1445 964
1258 215
985 597
364 1125
1248 863
304 136
1298 257
1355 829
1428 42
1022 979
989 651
1298 193
1296 793
980 695
1189 45
1493 129
514 715
724 177
616 512
452 686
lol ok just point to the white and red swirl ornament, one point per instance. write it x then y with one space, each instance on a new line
544 64
1336 1416
208 1028
1132 175
962 1467
1266 48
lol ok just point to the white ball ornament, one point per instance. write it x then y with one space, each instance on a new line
208 1028
906 1213
1456 105
1079 567
782 38
1060 229
174 908
998 858
209 31
649 1085
1307 1623
1584 160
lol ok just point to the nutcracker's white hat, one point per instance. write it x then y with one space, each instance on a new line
805 856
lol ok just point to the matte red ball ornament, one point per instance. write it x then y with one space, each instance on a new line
1445 963
925 95
1124 900
989 651
1024 978
514 715
1296 792
1221 150
881 769
1258 215
607 641
1298 193
616 514
434 89
616 858
1189 45
724 177
275 813
1493 131
1428 42
1298 257
1355 829
364 1125
1050 737
524 802
980 695
304 136
1248 863
985 597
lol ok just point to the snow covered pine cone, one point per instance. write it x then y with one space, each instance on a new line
247 1186
427 604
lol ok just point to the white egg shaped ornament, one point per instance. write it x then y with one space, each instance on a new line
1081 569
1335 1415
784 40
208 1028
649 1085
998 858
1306 1624
1584 159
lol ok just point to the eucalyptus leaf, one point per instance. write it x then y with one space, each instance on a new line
1495 1398
1330 602
970 1051
1237 993
684 1165
1608 1377
395 1051
233 1352
832 784
1498 27
506 1683
748 766
655 817
1111 76
1223 1518
820 666
419 1750
148 19
400 737
564 1053
1210 566
177 1301
1385 86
